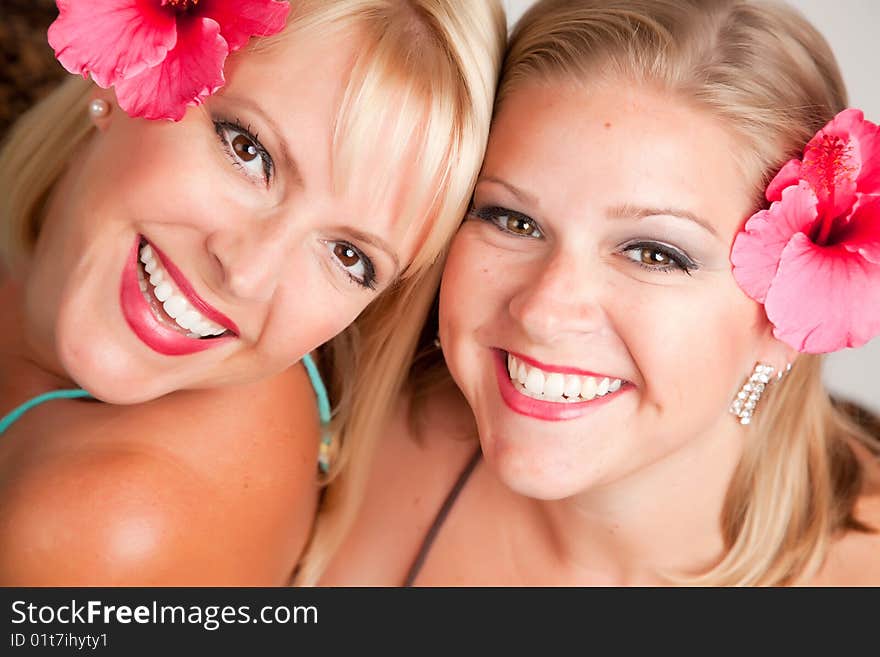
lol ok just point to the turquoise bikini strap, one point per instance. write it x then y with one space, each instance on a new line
10 418
320 389
323 413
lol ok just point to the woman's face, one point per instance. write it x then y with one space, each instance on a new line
588 310
215 250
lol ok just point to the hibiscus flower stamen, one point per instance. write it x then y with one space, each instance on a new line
180 5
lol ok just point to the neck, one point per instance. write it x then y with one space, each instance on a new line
661 521
26 368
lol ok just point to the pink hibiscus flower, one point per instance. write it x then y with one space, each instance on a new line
160 55
813 257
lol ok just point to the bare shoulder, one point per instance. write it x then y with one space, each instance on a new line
413 471
201 487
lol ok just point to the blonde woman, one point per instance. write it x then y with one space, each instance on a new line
177 236
625 413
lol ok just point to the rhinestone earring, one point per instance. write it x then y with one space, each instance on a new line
98 108
750 394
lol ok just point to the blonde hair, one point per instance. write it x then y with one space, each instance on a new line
430 68
368 362
763 70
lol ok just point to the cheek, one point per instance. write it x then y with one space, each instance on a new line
306 316
475 286
161 175
692 344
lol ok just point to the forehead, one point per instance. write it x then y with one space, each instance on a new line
616 144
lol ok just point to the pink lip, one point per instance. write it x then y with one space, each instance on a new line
143 322
541 410
187 290
558 368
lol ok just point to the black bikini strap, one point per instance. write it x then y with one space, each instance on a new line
440 518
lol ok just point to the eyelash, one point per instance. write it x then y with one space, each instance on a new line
492 214
681 260
221 127
368 282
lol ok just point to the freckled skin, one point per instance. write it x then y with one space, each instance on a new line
572 298
633 490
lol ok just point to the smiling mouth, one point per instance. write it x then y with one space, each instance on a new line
557 387
168 304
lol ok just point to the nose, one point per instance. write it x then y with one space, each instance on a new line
252 256
561 298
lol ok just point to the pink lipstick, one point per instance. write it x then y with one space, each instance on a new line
148 328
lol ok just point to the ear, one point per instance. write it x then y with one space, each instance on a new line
775 352
102 107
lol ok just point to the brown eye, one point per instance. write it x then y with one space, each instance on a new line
653 257
244 148
519 225
346 255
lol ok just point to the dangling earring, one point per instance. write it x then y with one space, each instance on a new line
98 108
750 394
437 342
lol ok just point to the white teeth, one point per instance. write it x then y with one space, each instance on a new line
175 306
554 385
535 381
173 302
558 387
572 386
163 291
589 386
190 320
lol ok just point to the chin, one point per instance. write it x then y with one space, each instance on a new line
110 373
536 471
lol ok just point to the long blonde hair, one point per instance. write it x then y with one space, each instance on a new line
367 363
430 68
772 79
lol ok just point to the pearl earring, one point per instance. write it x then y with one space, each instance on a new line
98 108
750 394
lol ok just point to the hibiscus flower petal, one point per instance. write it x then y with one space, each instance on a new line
757 250
868 140
190 73
823 299
111 40
788 176
833 161
241 20
863 232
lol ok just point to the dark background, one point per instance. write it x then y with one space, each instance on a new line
28 70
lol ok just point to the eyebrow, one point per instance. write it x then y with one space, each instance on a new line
627 211
376 242
521 195
624 211
286 155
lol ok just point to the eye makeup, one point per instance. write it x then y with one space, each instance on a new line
508 221
243 148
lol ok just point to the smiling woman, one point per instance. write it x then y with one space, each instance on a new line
676 214
179 270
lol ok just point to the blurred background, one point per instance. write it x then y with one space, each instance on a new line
28 71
